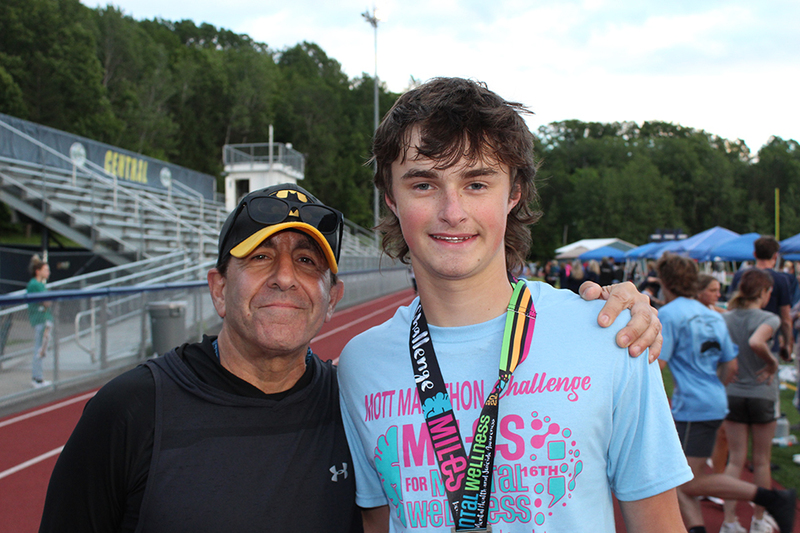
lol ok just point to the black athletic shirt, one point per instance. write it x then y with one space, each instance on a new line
100 477
782 289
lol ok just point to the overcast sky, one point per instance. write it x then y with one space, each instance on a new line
730 67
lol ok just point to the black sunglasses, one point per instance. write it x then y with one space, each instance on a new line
269 210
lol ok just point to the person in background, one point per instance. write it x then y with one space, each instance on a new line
701 357
41 319
753 395
552 272
593 272
765 251
651 289
709 289
576 276
708 292
719 274
607 273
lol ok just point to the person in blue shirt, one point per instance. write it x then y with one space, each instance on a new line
702 357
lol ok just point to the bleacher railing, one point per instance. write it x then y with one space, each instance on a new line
100 331
143 199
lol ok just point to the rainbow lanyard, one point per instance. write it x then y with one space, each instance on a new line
468 478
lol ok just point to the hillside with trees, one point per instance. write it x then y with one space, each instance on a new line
179 92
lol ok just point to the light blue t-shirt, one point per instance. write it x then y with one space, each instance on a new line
578 420
696 341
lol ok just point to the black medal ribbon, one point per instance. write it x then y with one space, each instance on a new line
467 478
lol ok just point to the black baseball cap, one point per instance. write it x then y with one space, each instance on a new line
265 212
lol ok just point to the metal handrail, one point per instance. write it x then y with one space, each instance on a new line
113 270
11 299
92 313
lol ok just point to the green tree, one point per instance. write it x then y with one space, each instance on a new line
323 115
49 53
11 99
778 167
139 82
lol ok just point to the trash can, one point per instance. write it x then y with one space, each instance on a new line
167 325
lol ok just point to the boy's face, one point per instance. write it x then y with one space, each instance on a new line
453 219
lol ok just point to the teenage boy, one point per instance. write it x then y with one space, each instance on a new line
563 423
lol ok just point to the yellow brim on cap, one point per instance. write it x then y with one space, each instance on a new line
251 243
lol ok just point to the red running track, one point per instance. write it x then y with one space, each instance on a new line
31 441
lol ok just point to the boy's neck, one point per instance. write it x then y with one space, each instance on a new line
451 303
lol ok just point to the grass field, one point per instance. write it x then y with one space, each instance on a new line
785 471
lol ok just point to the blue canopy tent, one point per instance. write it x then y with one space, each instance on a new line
674 247
604 251
656 251
738 249
698 246
791 245
637 252
645 250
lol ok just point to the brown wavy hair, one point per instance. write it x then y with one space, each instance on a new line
678 274
751 285
459 119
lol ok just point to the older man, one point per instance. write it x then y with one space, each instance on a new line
236 433
241 432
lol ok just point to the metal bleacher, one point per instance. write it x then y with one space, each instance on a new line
161 241
125 222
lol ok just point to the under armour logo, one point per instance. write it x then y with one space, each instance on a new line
337 473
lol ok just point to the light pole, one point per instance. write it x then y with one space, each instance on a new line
372 18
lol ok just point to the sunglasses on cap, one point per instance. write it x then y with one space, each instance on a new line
271 211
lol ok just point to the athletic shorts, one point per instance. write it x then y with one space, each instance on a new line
750 410
697 438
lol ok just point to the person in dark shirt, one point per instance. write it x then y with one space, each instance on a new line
230 433
765 251
607 272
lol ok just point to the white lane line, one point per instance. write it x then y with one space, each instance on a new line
361 319
368 303
31 462
47 409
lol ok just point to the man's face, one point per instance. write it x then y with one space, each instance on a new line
453 219
275 300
